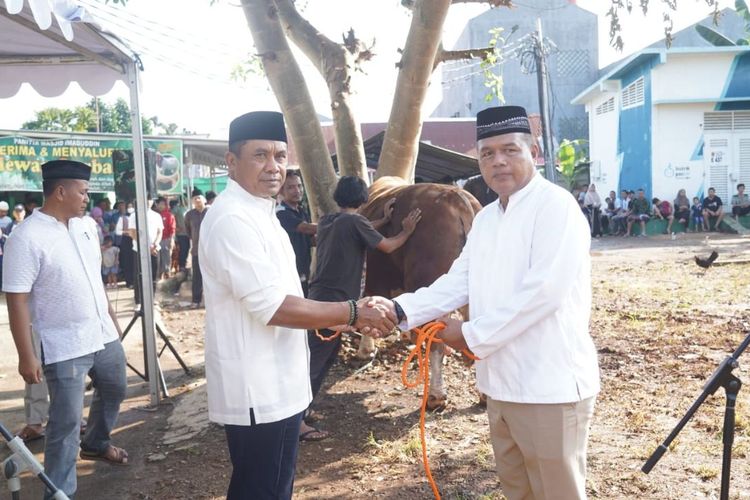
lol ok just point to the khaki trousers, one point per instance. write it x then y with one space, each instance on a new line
36 396
540 449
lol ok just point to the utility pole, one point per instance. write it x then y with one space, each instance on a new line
543 88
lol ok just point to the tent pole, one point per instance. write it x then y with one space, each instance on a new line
144 254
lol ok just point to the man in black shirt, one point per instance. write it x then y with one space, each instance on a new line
713 209
296 222
343 239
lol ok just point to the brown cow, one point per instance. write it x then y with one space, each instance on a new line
447 215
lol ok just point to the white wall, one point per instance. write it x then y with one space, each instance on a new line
677 131
691 76
605 171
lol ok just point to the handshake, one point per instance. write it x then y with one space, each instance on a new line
376 317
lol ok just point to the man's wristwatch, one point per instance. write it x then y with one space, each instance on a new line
400 315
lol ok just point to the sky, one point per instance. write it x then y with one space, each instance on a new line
190 47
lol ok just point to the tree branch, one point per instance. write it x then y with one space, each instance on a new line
305 36
460 55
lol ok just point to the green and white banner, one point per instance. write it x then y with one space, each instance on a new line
21 160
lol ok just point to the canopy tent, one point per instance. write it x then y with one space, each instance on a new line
50 56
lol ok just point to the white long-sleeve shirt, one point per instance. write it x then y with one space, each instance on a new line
526 274
248 268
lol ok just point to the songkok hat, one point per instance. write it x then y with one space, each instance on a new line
65 169
502 120
259 125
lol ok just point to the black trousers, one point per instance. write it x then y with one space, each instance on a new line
126 260
263 459
322 356
197 281
154 274
183 244
740 211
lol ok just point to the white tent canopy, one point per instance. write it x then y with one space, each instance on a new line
50 56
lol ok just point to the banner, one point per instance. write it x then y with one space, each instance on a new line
21 159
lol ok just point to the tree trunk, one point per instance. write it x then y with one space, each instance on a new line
401 141
336 64
289 87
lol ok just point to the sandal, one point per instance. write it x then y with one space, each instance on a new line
112 455
314 434
30 433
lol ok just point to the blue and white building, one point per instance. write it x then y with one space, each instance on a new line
670 119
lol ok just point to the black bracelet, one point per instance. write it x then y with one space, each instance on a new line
400 314
353 315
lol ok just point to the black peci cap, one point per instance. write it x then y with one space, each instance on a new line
65 169
262 125
502 120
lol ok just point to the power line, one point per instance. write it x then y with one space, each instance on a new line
120 12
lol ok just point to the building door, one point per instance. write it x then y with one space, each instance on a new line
726 151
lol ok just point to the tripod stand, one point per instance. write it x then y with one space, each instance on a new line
21 460
160 329
722 377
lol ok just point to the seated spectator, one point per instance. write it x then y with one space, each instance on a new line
639 210
682 209
581 197
662 210
621 213
740 202
593 203
697 213
713 207
610 210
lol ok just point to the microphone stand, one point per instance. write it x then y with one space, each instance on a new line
22 459
722 377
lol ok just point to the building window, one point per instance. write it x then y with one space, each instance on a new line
606 106
633 94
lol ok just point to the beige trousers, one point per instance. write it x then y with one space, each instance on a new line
540 449
36 396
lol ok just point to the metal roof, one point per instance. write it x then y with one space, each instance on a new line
434 164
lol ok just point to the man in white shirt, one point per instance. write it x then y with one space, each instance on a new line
53 281
525 272
257 358
155 227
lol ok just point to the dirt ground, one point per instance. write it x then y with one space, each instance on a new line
661 325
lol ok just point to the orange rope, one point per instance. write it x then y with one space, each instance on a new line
423 344
322 337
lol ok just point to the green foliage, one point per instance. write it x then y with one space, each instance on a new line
98 116
716 39
571 156
493 81
252 66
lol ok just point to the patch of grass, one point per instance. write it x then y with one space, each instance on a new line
706 472
484 456
404 450
636 420
412 448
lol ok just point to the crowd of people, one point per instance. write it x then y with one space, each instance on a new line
616 215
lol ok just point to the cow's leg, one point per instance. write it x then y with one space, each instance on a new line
366 347
437 397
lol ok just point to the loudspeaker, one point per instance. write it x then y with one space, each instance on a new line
124 172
